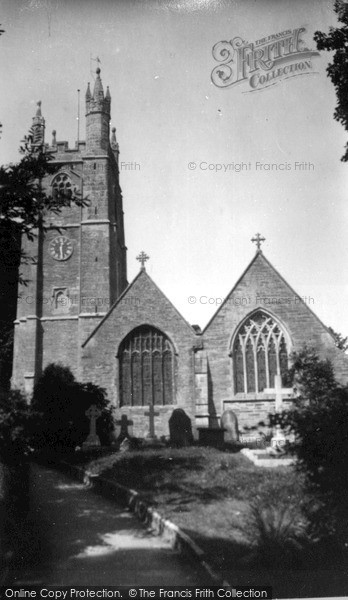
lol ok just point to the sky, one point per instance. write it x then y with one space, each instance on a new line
185 203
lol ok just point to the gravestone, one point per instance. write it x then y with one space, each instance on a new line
278 440
125 445
92 440
229 423
151 414
123 423
180 428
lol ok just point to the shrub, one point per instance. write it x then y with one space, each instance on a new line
318 421
278 534
59 404
15 427
15 445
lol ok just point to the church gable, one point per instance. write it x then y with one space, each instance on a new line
143 302
262 288
249 339
142 351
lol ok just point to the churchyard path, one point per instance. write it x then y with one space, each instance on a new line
72 536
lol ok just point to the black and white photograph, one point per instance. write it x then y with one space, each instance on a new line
173 299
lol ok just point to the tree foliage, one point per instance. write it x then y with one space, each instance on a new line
312 378
25 203
340 341
1 32
318 421
337 40
15 427
59 403
55 419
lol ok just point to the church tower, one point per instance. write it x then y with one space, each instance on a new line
78 267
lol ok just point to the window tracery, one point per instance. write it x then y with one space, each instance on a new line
146 361
259 353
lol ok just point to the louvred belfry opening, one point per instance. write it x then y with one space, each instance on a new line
147 368
259 353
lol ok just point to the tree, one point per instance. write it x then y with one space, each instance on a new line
15 446
337 40
24 207
340 341
59 404
1 32
318 421
25 202
311 377
15 427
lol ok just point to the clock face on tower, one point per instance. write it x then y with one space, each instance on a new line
60 248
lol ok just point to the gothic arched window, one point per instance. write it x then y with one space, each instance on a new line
62 187
146 367
259 353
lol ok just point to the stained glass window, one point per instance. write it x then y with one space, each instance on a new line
239 368
260 352
146 360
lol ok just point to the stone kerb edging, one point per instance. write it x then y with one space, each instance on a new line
146 514
270 462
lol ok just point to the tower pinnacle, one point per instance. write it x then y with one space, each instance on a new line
38 127
114 144
88 92
97 102
98 92
97 117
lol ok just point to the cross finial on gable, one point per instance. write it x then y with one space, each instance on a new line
258 239
142 258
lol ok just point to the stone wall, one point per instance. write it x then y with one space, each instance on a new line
89 281
261 287
142 304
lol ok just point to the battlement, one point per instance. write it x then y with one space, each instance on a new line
97 142
63 146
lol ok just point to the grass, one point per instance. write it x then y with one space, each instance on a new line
248 519
204 491
191 475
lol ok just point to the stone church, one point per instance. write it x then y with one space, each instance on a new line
79 309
